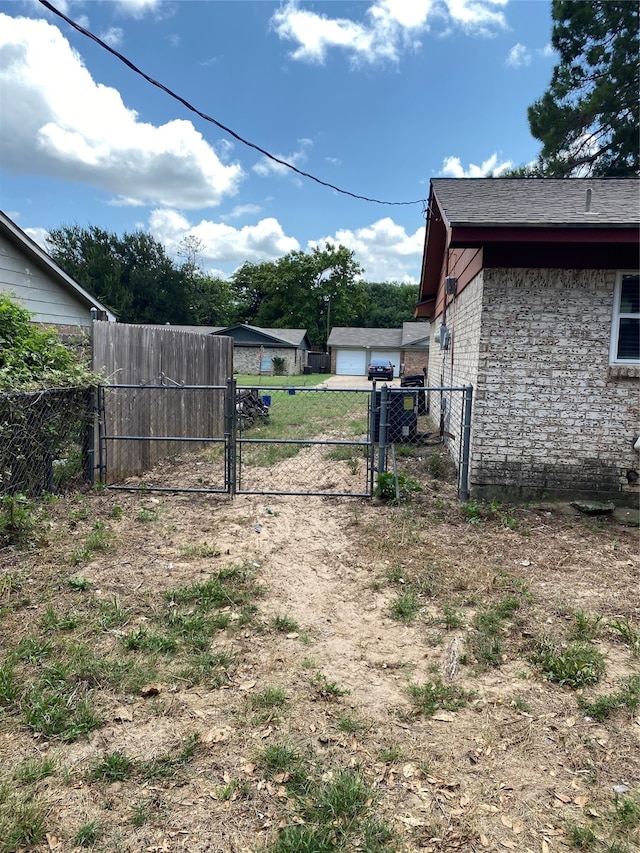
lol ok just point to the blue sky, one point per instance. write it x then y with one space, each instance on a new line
375 97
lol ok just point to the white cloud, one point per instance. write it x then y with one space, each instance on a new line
270 167
518 56
384 250
547 51
223 244
242 210
390 27
114 36
39 236
138 8
93 137
453 168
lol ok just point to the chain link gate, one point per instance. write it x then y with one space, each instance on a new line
276 440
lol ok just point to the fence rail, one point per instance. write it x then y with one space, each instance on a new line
228 439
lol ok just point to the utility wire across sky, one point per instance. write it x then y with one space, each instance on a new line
209 118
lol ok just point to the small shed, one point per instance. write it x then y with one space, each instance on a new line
32 277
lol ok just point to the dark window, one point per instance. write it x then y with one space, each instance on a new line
626 319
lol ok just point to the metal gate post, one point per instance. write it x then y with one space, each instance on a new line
102 450
230 434
466 442
382 430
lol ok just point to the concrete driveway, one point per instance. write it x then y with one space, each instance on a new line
353 382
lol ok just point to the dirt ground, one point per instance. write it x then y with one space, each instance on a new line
518 766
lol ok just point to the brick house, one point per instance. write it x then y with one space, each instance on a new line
255 348
532 289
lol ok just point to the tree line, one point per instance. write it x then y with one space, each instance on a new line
134 276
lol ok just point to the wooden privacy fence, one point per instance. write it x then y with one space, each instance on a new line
133 421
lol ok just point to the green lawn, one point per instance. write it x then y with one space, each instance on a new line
254 381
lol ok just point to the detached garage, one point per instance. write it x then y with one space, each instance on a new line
353 348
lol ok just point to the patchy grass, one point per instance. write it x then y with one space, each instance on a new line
358 675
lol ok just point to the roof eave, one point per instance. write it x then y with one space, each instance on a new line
22 240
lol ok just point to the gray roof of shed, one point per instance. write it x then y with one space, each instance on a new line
293 337
534 202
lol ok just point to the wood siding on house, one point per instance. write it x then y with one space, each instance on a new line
34 289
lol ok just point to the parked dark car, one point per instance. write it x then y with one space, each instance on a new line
380 368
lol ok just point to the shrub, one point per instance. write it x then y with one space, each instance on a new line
31 358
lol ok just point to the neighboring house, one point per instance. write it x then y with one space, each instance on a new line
353 348
254 349
532 289
32 277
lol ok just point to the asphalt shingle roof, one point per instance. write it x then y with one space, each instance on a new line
520 202
352 336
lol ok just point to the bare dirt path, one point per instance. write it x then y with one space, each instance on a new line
519 765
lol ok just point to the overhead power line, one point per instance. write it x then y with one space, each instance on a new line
209 118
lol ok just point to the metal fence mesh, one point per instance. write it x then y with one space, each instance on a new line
316 441
45 440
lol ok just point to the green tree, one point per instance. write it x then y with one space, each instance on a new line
302 290
588 119
388 305
132 274
212 301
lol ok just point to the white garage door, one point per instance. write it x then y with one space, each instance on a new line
392 356
350 362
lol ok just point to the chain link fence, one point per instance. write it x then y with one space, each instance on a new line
45 440
415 418
316 441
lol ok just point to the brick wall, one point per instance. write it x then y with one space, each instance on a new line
414 360
458 365
246 360
550 415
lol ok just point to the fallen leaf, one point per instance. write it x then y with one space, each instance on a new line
506 821
562 797
246 685
509 844
518 827
580 801
545 846
484 841
52 841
